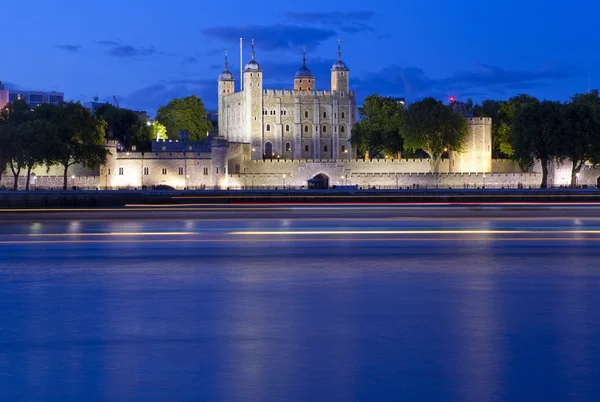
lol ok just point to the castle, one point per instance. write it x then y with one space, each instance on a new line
274 138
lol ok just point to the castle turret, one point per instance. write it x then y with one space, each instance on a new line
226 88
340 74
253 98
304 80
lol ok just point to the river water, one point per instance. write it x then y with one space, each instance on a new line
293 318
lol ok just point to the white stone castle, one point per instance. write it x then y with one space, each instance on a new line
276 138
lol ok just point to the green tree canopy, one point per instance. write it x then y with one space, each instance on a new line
491 108
79 136
124 125
506 115
433 127
185 114
379 126
536 134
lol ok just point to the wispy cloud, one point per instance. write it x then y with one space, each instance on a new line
272 37
189 60
151 97
69 48
413 82
349 22
122 50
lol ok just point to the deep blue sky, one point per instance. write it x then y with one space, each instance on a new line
146 53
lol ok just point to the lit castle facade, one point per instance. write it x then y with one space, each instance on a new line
290 138
302 123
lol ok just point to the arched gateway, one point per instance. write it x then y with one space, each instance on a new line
320 182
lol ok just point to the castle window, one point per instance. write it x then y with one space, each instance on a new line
164 170
306 148
205 171
324 115
250 84
108 172
120 171
325 148
343 115
300 81
288 147
342 129
306 115
223 91
343 149
250 74
287 127
217 170
342 73
306 129
146 171
342 94
180 171
324 129
268 127
254 118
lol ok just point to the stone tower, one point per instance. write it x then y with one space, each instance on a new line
304 80
253 101
226 88
340 75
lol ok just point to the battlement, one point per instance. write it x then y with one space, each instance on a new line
479 120
293 92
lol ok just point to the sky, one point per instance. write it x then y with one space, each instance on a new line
146 53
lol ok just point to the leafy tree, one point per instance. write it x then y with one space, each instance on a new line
536 135
580 132
185 114
123 124
433 127
506 115
379 126
15 112
79 136
148 132
37 134
12 149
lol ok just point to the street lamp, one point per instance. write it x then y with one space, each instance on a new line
284 182
73 180
342 180
187 177
576 180
484 180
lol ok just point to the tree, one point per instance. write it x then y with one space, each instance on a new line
379 126
38 135
433 127
506 115
185 114
12 117
148 132
536 135
123 124
580 132
79 136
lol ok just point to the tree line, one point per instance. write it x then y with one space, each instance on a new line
68 134
524 129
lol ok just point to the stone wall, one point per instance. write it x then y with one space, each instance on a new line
51 182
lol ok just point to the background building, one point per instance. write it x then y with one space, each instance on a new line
33 98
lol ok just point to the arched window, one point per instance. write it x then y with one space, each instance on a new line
306 129
325 148
268 127
343 149
287 127
306 114
306 148
343 115
342 129
288 147
324 129
324 115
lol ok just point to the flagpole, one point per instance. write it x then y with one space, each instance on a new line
241 67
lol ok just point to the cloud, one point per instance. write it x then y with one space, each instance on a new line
272 37
122 50
414 83
151 97
349 22
69 48
189 60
